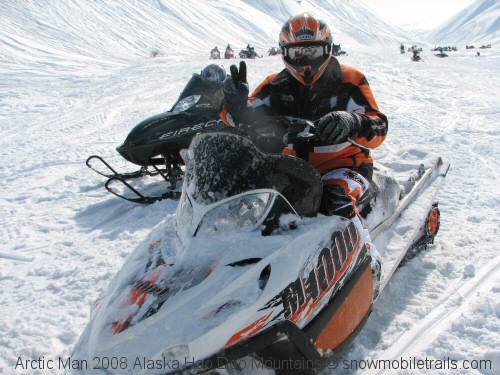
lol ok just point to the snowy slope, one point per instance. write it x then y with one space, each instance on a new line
477 24
89 29
75 77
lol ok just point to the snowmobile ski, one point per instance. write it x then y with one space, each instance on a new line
419 207
137 196
143 171
172 174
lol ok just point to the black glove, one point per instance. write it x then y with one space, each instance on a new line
337 127
235 88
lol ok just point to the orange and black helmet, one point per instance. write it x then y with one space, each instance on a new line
306 44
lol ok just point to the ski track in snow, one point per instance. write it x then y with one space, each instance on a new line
447 309
62 101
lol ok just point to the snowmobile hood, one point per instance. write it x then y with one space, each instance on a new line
170 299
180 290
166 133
209 92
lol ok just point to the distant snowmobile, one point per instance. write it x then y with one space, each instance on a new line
273 51
441 54
337 50
154 144
416 56
248 53
215 54
229 54
215 291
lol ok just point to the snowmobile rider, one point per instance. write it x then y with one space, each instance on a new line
215 53
337 97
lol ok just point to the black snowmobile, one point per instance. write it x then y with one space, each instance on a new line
416 56
337 50
248 53
441 54
273 51
155 142
248 278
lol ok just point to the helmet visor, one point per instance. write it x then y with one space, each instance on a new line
306 54
306 61
311 52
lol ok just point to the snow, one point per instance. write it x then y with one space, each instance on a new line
480 20
421 15
76 76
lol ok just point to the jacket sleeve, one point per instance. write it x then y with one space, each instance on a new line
374 124
260 97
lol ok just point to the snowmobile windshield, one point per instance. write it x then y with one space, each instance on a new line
224 164
199 94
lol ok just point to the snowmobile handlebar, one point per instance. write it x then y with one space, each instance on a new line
285 127
281 125
290 129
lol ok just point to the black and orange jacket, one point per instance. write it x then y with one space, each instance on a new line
340 88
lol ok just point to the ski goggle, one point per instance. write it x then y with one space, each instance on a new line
312 52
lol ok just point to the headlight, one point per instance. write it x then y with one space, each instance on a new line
248 211
186 103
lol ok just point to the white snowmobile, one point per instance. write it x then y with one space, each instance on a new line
248 276
215 54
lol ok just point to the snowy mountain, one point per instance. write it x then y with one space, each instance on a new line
76 28
477 24
76 76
